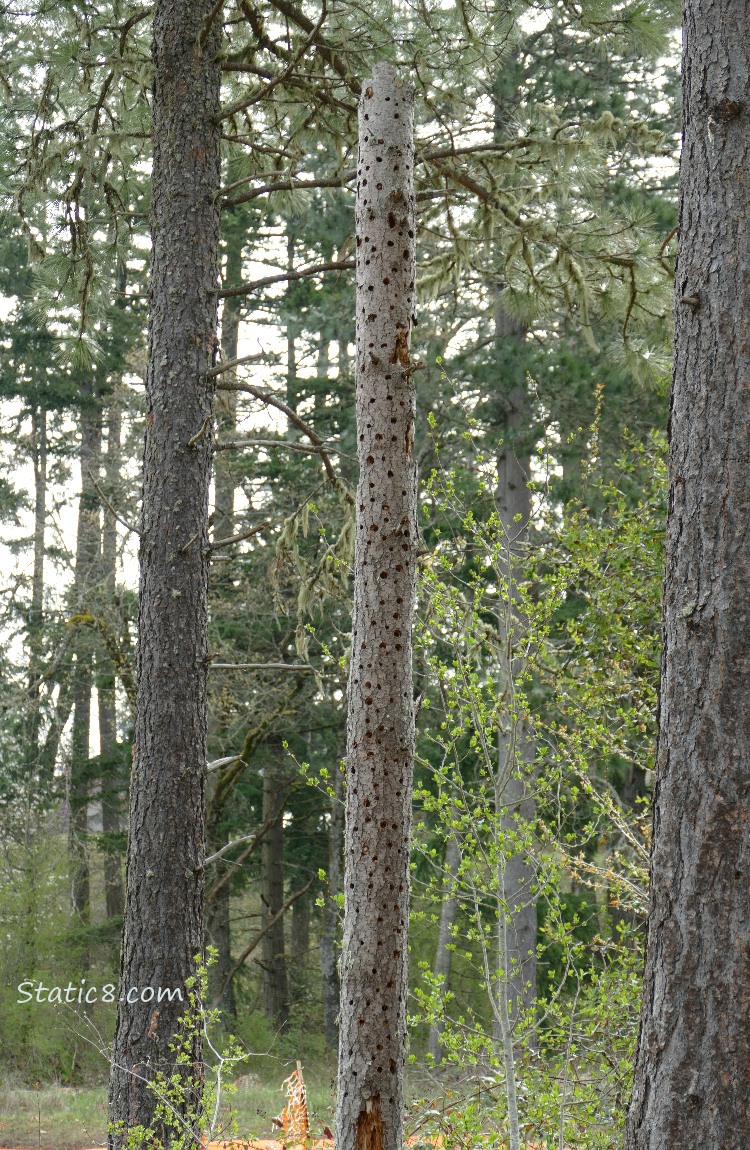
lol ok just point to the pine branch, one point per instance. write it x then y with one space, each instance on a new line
285 277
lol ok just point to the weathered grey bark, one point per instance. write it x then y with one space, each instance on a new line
273 951
329 935
380 729
111 781
163 927
692 1074
443 952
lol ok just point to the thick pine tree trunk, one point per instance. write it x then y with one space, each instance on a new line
163 928
692 1075
380 732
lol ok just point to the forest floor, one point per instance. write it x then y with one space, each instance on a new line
75 1118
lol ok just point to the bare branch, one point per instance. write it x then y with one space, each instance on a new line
261 934
109 506
262 666
230 539
285 277
275 401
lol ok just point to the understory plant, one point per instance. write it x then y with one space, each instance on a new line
568 682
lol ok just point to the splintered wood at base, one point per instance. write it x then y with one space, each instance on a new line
370 1126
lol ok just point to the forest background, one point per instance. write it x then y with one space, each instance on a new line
547 141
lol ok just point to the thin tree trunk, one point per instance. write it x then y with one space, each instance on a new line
273 950
443 952
219 932
692 1072
299 935
517 917
111 781
163 924
36 612
513 799
218 923
380 728
329 936
87 570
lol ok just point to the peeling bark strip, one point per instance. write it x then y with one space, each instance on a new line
163 926
380 731
692 1078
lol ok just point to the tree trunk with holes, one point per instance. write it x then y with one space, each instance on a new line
163 925
692 1073
380 730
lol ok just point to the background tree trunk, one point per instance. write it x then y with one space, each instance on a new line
87 572
112 783
329 936
692 1075
163 928
273 950
443 953
516 956
36 611
380 731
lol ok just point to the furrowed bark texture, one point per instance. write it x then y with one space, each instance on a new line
380 733
163 927
692 1077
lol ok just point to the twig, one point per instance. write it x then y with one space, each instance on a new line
199 433
262 666
261 934
209 21
217 764
284 277
230 539
230 364
110 508
275 401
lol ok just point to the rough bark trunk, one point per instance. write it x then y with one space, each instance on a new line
273 951
443 953
380 729
692 1075
111 781
163 927
329 936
